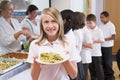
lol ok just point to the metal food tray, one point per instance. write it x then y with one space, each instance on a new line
24 60
12 67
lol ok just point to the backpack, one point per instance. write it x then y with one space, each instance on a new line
118 58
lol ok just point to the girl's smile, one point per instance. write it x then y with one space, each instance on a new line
50 25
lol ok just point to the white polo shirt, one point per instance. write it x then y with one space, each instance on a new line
79 38
71 37
108 30
97 34
51 72
86 52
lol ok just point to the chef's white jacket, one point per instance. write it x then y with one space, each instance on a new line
7 39
34 29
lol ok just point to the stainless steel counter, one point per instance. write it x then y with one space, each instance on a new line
14 71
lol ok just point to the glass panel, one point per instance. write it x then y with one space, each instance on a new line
20 4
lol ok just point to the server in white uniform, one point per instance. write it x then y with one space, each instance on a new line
96 69
11 32
109 32
31 22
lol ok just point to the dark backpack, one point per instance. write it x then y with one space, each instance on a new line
118 58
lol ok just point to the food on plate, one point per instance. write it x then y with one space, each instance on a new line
5 64
50 57
16 55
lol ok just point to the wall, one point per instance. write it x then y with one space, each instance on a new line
41 4
98 9
61 4
113 7
20 14
77 5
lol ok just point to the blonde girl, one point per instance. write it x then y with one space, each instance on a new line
52 39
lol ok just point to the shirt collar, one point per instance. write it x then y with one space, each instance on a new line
46 42
94 28
107 23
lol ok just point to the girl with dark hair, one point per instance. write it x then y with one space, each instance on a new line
84 43
68 18
31 8
79 20
30 21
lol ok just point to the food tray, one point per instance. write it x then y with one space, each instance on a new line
15 55
8 64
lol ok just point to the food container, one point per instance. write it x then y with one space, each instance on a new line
8 64
11 60
15 55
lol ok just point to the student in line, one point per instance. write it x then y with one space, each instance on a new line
52 39
69 26
109 33
84 37
96 69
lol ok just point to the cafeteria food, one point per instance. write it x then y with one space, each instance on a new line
16 55
5 64
50 57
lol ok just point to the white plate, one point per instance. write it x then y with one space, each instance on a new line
63 55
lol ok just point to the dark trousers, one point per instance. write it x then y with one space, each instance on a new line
107 63
118 58
81 74
96 69
85 66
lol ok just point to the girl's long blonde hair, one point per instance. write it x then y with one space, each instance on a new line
54 13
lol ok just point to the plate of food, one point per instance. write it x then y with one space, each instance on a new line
52 58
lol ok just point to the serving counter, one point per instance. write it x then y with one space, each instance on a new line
12 63
14 71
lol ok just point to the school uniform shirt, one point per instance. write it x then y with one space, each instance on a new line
86 52
56 71
97 34
108 30
7 39
79 38
35 29
72 39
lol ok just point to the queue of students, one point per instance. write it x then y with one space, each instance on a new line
88 46
80 44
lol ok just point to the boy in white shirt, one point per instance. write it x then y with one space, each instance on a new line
96 69
109 32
